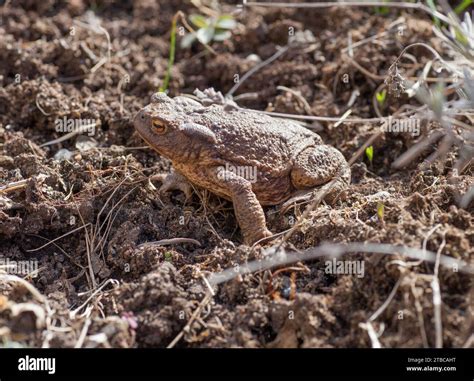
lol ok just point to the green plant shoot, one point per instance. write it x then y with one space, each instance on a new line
168 256
380 211
463 6
209 29
166 81
383 10
369 152
381 96
432 5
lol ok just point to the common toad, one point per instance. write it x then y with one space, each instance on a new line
241 155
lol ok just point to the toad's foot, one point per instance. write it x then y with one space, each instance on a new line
173 181
248 211
329 192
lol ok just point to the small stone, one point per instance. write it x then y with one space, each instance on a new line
63 154
85 143
254 58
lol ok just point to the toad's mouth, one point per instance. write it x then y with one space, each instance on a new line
152 145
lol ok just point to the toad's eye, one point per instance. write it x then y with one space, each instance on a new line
158 126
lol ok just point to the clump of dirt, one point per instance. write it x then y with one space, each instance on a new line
81 210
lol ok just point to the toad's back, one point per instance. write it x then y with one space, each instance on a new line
254 139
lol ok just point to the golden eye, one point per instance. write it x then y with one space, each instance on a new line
158 126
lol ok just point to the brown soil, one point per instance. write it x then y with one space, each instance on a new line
48 71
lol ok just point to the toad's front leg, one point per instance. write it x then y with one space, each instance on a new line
173 181
248 211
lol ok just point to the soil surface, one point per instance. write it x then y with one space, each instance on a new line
82 209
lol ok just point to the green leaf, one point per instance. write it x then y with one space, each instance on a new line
438 100
187 40
460 37
462 6
381 96
369 152
166 81
432 5
380 211
226 22
205 35
383 11
222 35
199 21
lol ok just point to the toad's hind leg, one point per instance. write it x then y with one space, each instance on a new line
317 166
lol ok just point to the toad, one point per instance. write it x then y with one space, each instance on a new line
244 156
